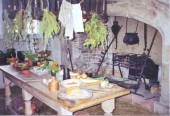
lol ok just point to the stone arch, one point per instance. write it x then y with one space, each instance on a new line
156 17
156 14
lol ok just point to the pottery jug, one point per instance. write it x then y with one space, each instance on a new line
53 85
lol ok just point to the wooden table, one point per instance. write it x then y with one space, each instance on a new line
33 86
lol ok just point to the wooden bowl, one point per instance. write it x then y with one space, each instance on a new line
13 59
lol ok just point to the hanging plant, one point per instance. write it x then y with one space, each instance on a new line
49 26
18 25
28 24
27 18
97 32
8 31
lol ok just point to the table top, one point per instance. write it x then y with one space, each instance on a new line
35 86
32 77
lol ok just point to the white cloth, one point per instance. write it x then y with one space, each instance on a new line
65 17
70 17
77 18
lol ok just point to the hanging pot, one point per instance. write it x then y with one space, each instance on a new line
131 38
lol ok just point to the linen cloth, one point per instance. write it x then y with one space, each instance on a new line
70 16
77 18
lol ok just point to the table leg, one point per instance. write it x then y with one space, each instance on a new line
63 111
27 97
7 92
108 106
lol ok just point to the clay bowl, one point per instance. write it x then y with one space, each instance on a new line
26 72
13 59
22 66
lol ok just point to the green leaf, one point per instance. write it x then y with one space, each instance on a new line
97 32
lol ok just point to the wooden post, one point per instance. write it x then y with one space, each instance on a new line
108 107
7 83
27 97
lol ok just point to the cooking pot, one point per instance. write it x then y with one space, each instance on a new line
131 38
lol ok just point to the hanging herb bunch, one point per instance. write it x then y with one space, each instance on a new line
49 26
18 25
28 24
8 30
97 32
27 17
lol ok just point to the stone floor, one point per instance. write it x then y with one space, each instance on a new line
122 108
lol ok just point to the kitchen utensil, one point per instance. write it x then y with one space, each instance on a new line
131 38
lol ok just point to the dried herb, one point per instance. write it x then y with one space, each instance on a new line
8 31
97 32
27 17
49 26
18 25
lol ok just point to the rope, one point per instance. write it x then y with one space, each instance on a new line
81 1
136 25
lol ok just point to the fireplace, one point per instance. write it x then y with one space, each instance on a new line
153 13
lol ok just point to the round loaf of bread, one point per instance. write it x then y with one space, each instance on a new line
74 91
